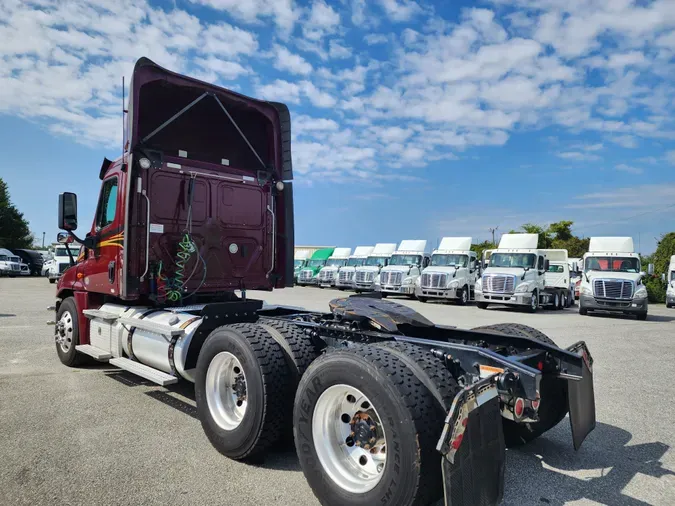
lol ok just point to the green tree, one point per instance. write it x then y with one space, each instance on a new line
545 238
480 247
562 230
664 250
14 231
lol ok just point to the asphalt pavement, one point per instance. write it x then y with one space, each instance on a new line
100 436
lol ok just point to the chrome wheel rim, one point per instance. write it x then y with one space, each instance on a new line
226 390
533 301
64 332
349 439
464 296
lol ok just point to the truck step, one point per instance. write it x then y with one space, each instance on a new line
92 351
150 374
97 313
158 328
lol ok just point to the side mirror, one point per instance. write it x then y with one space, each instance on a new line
672 283
68 211
62 238
546 264
643 274
650 269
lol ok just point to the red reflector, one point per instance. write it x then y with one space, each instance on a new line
457 441
540 365
535 405
519 407
465 421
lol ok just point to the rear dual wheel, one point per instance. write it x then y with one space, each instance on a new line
366 423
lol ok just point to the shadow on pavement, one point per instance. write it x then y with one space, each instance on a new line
548 472
6 315
619 316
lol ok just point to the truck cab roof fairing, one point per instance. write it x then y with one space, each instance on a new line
223 127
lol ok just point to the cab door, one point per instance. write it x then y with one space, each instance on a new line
101 264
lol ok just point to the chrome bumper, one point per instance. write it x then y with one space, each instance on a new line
515 299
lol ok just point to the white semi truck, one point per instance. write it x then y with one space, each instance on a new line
328 275
364 277
612 279
345 279
10 264
670 291
452 273
299 262
405 266
61 260
516 276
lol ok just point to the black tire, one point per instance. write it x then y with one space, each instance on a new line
553 391
411 419
268 389
464 297
668 306
583 311
556 301
69 357
642 316
52 281
384 295
533 307
482 305
422 299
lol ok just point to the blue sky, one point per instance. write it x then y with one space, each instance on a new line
411 119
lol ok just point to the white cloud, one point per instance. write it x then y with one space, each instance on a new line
577 156
338 51
222 69
317 97
224 40
400 10
290 62
375 38
280 90
250 11
304 124
670 157
628 168
323 20
625 141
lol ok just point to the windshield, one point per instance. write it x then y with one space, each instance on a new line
612 264
298 263
439 260
672 275
375 261
336 262
405 260
60 252
316 263
356 262
3 258
516 260
15 259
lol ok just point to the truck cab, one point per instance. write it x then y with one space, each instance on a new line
61 260
452 273
309 275
299 262
10 264
404 268
345 278
612 278
328 274
515 275
670 291
365 275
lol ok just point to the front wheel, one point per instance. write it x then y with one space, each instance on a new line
464 296
583 311
242 389
642 316
422 299
366 430
534 303
67 334
52 281
482 305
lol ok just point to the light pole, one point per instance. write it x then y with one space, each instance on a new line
43 240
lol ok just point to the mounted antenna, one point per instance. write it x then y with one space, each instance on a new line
124 131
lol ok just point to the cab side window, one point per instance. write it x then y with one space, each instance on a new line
107 205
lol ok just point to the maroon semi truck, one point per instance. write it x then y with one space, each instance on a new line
384 406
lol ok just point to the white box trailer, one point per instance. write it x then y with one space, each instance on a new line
329 273
405 267
670 291
517 272
612 279
364 277
345 279
452 272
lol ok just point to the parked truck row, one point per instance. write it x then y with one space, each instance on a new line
516 273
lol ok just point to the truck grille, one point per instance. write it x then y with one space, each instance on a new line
613 289
431 280
345 276
365 277
499 283
63 267
306 275
326 275
16 267
391 278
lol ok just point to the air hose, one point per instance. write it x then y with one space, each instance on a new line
185 249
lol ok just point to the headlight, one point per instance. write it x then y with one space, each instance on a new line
523 287
453 284
408 281
418 281
585 290
479 285
641 293
377 279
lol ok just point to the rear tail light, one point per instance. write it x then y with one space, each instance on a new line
535 404
519 407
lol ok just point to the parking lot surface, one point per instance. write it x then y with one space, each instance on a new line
98 435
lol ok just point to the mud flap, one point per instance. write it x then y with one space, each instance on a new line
473 471
581 398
